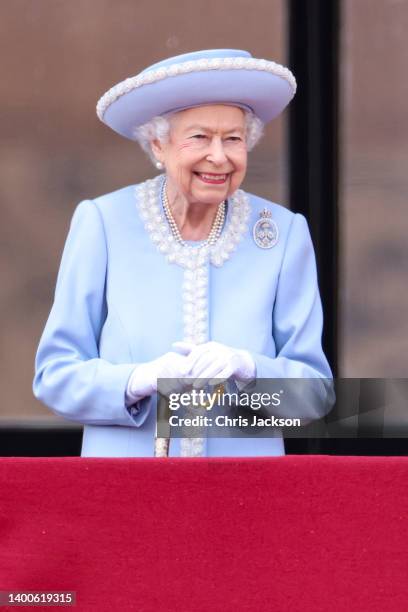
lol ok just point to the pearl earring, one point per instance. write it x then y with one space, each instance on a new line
159 165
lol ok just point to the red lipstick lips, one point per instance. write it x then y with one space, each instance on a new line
211 178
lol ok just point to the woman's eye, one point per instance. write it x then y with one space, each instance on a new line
199 136
234 138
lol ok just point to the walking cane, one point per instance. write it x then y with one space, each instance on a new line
162 445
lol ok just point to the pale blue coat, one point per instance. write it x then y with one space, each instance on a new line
118 302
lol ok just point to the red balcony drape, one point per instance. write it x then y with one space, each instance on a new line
285 533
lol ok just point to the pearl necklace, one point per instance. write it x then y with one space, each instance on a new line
216 227
151 210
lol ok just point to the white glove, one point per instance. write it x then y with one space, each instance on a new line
143 380
214 360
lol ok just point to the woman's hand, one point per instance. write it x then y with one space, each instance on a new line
215 360
143 380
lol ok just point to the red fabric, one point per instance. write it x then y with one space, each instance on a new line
285 533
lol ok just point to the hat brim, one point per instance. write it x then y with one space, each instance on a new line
265 93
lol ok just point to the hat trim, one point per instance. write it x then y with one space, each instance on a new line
244 107
201 65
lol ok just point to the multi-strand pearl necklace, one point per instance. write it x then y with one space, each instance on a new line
150 204
216 227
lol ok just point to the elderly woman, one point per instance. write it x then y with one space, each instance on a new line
185 275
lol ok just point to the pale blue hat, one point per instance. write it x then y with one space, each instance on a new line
215 76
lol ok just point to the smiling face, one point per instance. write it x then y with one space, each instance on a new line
206 155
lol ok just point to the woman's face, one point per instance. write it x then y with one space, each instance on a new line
206 156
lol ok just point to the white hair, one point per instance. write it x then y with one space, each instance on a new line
158 128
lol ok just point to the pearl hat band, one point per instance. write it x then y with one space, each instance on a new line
223 76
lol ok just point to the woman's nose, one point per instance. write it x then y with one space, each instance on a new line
216 153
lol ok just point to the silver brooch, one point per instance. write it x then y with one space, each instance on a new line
265 230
